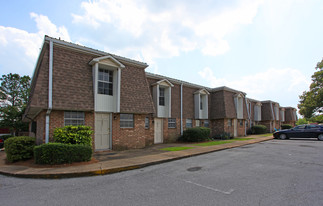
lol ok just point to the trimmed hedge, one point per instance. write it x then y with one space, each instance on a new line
73 135
196 134
58 153
286 126
259 129
223 136
19 148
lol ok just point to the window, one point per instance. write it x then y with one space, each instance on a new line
126 120
201 103
206 123
172 123
161 96
189 123
147 123
229 122
241 122
105 82
74 118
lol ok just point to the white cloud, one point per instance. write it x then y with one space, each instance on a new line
166 32
273 84
20 48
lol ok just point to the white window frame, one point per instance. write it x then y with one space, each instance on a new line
146 122
171 123
189 123
126 121
77 117
106 82
161 96
206 123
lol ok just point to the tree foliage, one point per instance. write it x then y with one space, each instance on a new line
311 102
14 92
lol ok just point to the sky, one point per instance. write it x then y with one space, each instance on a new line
265 48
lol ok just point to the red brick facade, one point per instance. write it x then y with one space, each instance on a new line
73 90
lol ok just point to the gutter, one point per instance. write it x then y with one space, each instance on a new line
181 108
50 91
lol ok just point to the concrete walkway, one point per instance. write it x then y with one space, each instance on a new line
117 161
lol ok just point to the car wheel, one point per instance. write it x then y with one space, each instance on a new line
282 136
320 137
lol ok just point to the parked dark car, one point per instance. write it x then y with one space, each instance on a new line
301 131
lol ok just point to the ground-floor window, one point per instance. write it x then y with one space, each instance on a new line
229 122
189 123
241 122
206 123
126 121
147 123
171 123
73 118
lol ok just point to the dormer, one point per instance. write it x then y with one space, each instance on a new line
162 92
257 112
106 72
282 114
238 102
201 104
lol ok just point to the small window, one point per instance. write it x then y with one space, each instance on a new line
147 123
241 122
172 123
201 103
206 123
161 96
73 118
126 120
229 122
189 123
105 82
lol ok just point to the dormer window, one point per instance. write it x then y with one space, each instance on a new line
162 93
161 96
201 104
105 82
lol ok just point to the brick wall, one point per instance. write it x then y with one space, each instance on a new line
132 138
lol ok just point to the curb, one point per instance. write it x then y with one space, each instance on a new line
103 171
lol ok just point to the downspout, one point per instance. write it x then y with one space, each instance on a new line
272 113
245 128
181 108
50 90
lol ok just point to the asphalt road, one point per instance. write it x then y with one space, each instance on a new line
275 172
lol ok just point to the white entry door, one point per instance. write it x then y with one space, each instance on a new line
158 137
102 131
235 127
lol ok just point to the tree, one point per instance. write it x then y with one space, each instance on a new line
311 102
14 92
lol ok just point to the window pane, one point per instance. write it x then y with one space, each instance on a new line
172 123
147 122
74 118
126 120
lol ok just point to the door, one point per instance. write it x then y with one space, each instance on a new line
158 136
235 127
102 131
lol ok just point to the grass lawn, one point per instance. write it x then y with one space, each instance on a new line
218 142
176 148
267 135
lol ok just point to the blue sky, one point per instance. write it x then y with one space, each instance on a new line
266 48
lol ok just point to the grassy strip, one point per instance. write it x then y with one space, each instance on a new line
267 135
242 139
176 148
218 142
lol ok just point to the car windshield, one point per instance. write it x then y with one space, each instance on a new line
300 127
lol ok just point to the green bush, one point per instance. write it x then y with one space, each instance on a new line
259 129
223 136
286 126
19 148
58 153
73 135
196 134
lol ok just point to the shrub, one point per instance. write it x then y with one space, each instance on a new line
58 153
196 134
223 136
73 135
19 148
286 126
259 129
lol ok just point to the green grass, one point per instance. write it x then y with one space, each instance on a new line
218 142
267 135
176 148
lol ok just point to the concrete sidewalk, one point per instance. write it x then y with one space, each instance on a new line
117 161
